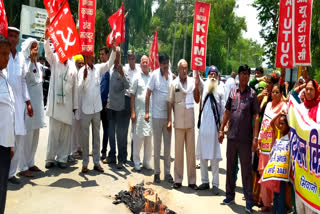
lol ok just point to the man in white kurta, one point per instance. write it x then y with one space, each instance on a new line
6 122
62 103
17 81
142 131
91 106
75 146
211 113
33 124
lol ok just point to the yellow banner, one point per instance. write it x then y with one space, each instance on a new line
305 155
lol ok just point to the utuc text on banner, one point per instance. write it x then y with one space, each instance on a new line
87 12
63 34
116 22
305 155
302 32
154 54
3 20
199 36
284 56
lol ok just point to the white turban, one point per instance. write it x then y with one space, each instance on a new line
26 46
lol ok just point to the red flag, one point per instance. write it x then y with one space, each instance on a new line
3 20
87 11
52 7
63 34
154 55
116 22
199 36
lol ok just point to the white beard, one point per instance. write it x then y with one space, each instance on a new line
212 85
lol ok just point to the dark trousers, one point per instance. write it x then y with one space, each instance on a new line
105 125
118 126
5 160
127 121
243 149
279 200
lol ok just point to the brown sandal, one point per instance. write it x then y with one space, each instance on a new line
34 169
85 169
27 174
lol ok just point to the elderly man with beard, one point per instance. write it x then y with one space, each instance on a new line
210 116
181 100
243 112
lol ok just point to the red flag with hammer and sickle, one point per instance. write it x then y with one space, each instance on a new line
154 55
63 34
3 20
116 22
52 7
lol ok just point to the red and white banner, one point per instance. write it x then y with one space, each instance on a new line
116 22
294 33
154 54
87 13
52 7
284 57
3 20
199 36
63 34
302 32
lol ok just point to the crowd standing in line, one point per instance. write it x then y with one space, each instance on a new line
81 94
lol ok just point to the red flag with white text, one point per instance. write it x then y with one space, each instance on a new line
116 22
199 36
87 11
154 55
52 7
3 20
63 34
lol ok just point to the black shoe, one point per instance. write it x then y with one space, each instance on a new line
14 180
169 179
156 178
193 186
71 159
215 190
62 165
103 156
110 160
120 165
49 165
176 185
204 186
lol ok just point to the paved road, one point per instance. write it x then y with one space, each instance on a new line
69 191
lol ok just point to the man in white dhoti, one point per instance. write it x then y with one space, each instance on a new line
181 99
62 103
91 106
17 81
6 122
33 124
142 131
75 146
211 113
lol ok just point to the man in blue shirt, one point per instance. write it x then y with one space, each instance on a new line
104 89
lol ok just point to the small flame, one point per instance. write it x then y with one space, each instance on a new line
146 206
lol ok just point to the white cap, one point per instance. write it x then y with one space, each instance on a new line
14 29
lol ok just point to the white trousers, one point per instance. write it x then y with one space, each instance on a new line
18 155
94 120
58 142
214 170
301 207
29 149
147 152
75 136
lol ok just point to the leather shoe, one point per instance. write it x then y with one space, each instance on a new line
62 165
26 173
193 186
204 186
98 168
156 178
169 179
120 165
110 160
35 169
84 169
176 185
14 180
49 165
